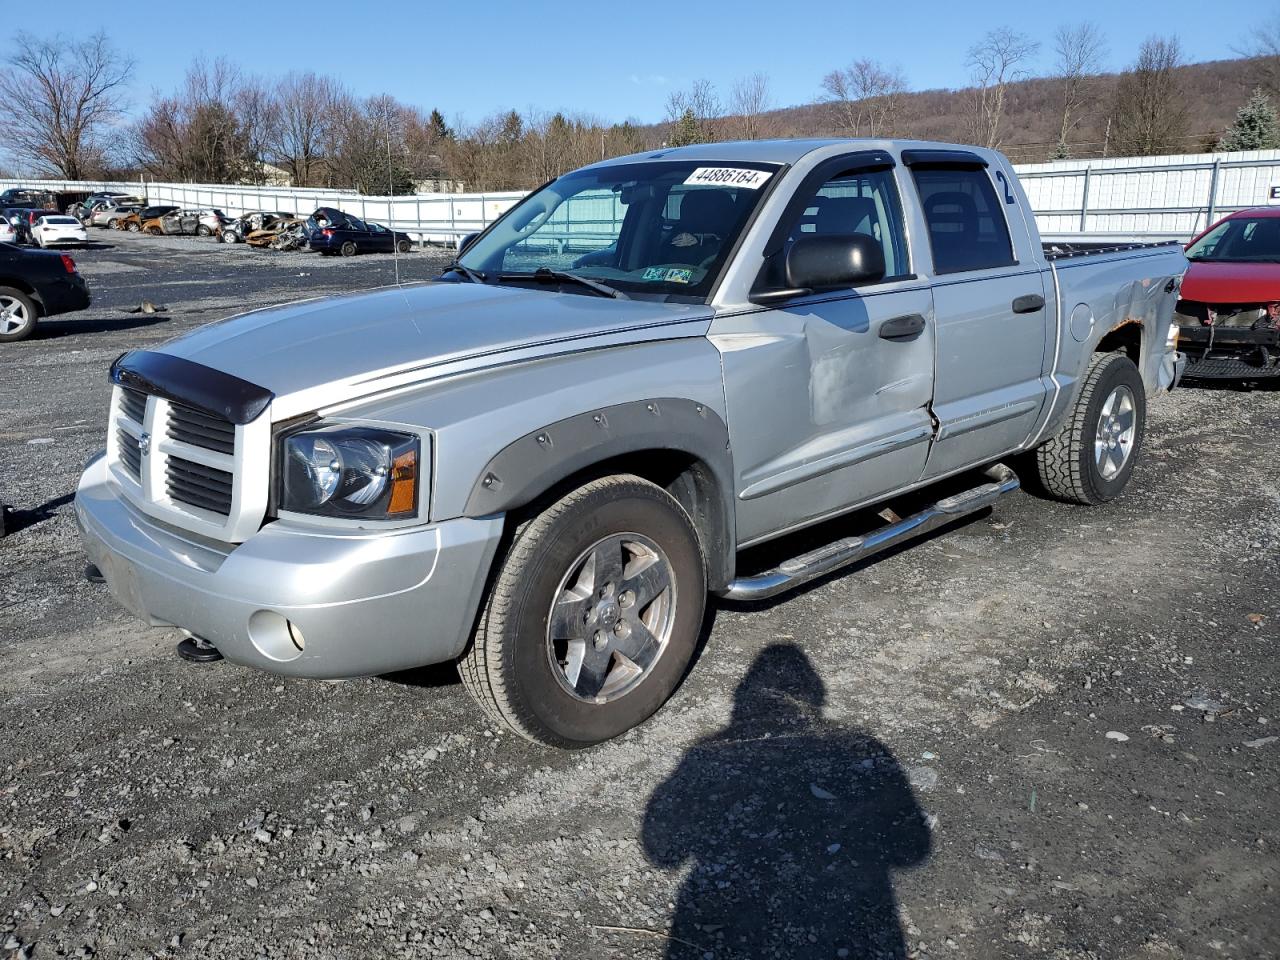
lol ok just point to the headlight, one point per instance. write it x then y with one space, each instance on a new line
353 472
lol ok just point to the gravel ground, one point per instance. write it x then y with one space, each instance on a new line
1051 732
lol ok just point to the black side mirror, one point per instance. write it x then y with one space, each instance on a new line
818 263
827 263
466 241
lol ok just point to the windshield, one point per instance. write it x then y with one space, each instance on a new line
658 228
1240 240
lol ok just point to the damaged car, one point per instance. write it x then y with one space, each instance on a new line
286 233
177 223
137 220
235 231
331 231
1229 313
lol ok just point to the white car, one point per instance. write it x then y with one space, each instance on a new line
7 233
49 231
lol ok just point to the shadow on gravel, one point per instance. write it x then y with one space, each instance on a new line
16 519
51 329
793 826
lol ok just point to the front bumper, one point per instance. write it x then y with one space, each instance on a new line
365 602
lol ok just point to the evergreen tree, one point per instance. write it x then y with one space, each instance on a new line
1255 126
439 129
687 130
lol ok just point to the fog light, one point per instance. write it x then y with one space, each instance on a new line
296 636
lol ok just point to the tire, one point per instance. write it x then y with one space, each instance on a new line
404 246
348 249
519 663
133 227
17 315
1082 464
202 231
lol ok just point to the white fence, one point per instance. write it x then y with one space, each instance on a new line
1146 198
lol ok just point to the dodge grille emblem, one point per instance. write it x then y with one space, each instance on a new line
144 444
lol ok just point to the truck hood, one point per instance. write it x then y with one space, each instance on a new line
1208 282
317 353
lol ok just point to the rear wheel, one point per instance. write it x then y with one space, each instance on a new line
1092 457
348 249
133 227
17 315
593 617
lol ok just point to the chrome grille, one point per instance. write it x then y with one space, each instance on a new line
133 404
201 430
130 454
193 483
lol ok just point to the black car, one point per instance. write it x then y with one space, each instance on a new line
331 231
35 284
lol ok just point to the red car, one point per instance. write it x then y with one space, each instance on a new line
1229 315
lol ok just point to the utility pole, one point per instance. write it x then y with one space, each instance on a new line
1106 139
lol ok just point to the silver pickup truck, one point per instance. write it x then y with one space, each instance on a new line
541 463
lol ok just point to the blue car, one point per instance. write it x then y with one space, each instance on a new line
331 231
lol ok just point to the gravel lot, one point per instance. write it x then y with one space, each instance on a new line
1051 732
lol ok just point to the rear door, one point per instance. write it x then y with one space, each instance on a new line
828 394
990 303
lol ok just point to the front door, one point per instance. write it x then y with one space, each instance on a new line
828 395
991 317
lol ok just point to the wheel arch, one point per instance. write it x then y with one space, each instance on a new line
1125 337
679 445
22 285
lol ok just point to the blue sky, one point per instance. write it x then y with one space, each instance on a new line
613 60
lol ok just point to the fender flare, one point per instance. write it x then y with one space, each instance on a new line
528 467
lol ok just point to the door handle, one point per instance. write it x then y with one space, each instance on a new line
901 329
1029 303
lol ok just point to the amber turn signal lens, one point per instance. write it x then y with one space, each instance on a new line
404 484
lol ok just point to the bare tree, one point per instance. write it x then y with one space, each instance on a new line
866 97
997 60
1264 43
748 100
58 99
1079 53
1150 114
304 115
694 113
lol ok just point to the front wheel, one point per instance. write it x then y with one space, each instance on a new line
1092 457
403 246
593 617
202 231
134 228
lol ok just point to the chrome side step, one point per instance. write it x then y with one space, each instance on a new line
816 563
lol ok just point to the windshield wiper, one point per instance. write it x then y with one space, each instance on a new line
547 275
475 276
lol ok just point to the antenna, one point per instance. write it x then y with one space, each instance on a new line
391 194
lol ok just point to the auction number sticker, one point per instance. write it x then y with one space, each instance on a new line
728 177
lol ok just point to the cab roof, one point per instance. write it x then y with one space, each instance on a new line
776 151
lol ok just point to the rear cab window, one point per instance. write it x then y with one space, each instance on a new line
967 227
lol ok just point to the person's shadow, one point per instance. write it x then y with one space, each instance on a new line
793 826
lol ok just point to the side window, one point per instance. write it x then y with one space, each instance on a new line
967 229
858 202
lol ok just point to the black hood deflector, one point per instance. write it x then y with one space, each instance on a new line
191 384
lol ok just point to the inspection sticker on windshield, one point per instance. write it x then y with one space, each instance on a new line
728 177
